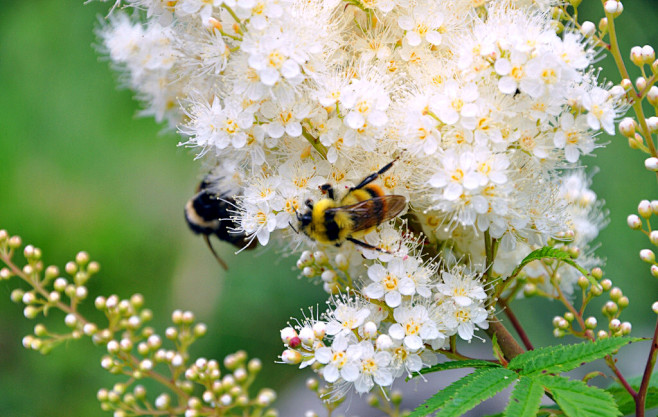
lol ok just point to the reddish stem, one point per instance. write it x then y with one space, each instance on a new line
517 325
641 396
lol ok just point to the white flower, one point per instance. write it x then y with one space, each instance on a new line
422 24
336 361
414 326
374 366
345 318
389 283
455 102
601 110
463 288
572 136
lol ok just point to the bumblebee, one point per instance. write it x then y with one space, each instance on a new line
363 208
208 213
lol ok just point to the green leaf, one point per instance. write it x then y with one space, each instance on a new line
562 358
466 393
548 252
471 363
440 398
489 382
625 401
525 399
577 399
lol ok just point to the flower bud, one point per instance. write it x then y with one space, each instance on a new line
306 258
652 124
568 316
651 164
320 258
319 329
328 276
654 271
647 256
626 328
307 336
627 127
370 330
606 284
614 324
648 54
287 334
587 28
610 308
654 307
308 272
636 56
583 282
341 262
652 95
602 334
14 242
641 83
623 302
613 7
590 323
634 222
603 24
384 342
312 384
291 357
254 365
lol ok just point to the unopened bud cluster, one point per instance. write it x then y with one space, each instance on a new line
133 349
334 275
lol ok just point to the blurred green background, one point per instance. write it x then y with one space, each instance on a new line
78 170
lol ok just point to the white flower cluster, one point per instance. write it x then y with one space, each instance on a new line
482 106
393 323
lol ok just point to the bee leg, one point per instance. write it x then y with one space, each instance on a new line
370 178
221 262
328 189
365 245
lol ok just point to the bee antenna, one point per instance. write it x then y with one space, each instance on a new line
221 262
293 227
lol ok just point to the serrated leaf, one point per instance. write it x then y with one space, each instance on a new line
471 363
548 252
625 401
440 398
525 399
577 399
562 358
466 393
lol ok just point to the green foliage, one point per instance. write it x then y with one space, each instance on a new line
532 369
467 392
472 363
525 399
563 358
577 399
625 401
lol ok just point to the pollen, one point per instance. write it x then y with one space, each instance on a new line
458 175
421 29
411 328
517 73
285 116
457 104
230 126
276 59
401 354
463 315
363 106
261 217
258 8
549 76
572 138
368 366
390 282
339 359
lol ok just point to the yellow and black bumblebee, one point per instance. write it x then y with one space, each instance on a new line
363 208
209 213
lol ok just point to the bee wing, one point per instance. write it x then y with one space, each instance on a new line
369 213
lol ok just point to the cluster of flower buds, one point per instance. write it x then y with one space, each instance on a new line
133 349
